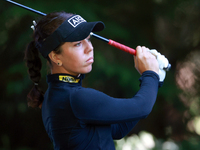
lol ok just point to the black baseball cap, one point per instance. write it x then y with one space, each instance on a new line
73 29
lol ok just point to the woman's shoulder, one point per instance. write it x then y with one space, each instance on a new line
86 95
82 92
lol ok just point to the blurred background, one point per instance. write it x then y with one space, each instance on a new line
170 26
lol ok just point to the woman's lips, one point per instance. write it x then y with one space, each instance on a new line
90 60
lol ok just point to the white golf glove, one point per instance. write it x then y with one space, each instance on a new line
163 64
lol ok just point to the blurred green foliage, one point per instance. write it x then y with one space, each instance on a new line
170 26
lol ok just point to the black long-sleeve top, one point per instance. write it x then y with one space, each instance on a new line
78 118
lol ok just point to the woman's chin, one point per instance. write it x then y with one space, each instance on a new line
87 70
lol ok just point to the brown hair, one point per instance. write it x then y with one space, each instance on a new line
45 27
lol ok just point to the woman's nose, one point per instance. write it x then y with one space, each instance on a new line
88 47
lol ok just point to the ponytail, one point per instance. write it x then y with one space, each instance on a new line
45 27
35 96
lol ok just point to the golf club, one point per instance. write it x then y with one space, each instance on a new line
108 41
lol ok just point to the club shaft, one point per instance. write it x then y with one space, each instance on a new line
109 41
25 7
99 37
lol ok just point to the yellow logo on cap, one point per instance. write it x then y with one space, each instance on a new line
68 79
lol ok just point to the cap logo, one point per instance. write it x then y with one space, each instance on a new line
76 20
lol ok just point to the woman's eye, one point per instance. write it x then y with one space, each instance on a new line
78 44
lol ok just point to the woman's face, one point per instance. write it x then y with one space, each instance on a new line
76 57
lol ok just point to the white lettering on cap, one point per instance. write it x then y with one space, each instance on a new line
76 20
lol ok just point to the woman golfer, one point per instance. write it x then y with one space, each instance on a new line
78 118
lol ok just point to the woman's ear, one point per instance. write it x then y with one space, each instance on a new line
55 58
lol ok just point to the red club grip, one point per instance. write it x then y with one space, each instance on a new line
122 47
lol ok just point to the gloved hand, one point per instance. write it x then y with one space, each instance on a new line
163 64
